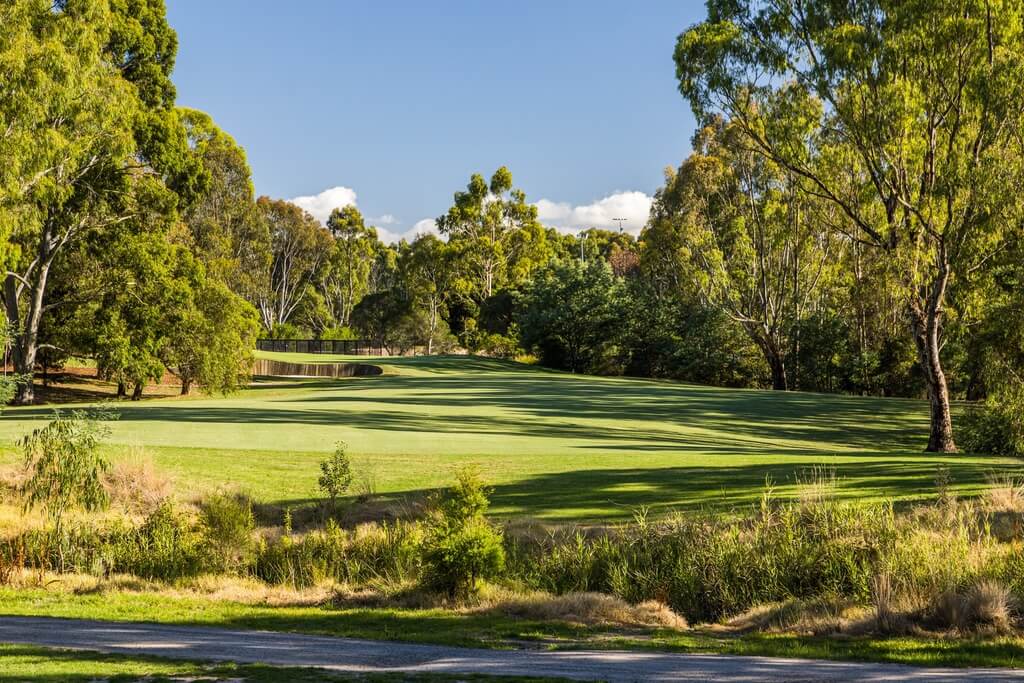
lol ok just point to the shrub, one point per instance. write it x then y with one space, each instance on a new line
167 546
65 470
996 426
335 475
227 526
460 546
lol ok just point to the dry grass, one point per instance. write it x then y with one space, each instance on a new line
15 521
1006 494
986 607
12 478
589 609
135 485
214 588
803 617
886 616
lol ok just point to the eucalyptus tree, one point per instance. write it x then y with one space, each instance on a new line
427 267
345 278
569 312
903 114
208 332
747 241
90 139
299 247
493 227
227 232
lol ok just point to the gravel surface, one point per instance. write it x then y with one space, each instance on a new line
345 654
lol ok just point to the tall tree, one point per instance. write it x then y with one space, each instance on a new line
209 332
568 313
426 265
904 115
746 241
299 246
346 277
90 137
227 232
487 223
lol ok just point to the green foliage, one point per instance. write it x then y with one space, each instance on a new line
389 319
335 475
210 332
665 335
460 546
227 525
345 278
65 467
995 426
568 314
166 547
494 234
389 553
831 94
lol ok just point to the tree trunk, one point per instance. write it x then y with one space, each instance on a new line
925 323
940 437
772 355
137 391
122 390
778 367
186 386
24 346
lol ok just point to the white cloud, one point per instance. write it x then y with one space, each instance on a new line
427 226
386 219
634 206
321 205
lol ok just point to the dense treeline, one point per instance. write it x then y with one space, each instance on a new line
115 205
849 220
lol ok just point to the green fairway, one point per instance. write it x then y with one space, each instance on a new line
555 445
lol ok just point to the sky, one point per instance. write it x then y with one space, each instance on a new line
391 105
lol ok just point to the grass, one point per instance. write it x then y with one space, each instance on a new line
556 446
448 628
31 664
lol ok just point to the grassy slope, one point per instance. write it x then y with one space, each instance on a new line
448 628
556 446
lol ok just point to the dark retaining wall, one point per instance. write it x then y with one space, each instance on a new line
277 368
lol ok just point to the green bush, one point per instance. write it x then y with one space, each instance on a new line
227 525
167 546
65 471
460 546
996 426
335 475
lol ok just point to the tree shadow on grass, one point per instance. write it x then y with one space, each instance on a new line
618 493
595 412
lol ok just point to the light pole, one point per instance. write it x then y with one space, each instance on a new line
620 221
583 239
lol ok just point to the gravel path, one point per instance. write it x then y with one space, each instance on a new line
344 654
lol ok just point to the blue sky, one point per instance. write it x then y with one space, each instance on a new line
394 104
